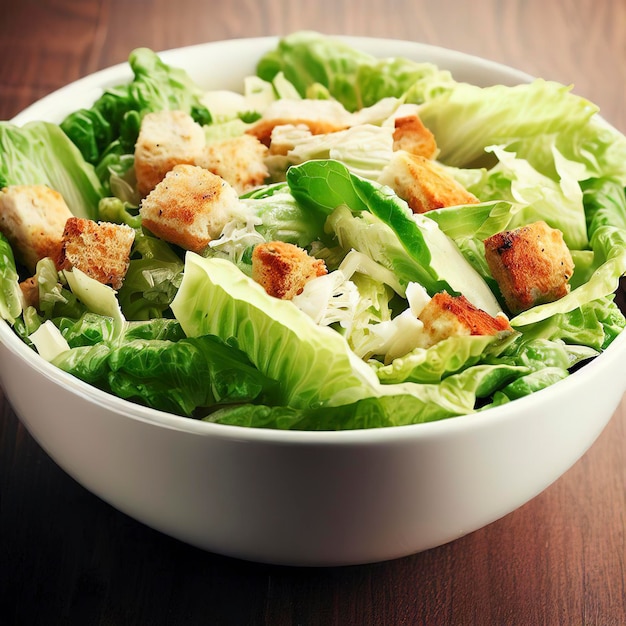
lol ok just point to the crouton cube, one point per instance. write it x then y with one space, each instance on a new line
283 269
262 129
166 138
423 183
319 116
99 249
531 264
412 136
452 316
30 291
189 207
32 218
239 161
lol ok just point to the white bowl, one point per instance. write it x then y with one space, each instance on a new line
305 498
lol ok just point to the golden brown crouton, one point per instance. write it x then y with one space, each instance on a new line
262 129
412 136
423 183
319 116
447 316
99 249
166 138
283 268
32 218
189 207
531 265
285 137
239 161
30 291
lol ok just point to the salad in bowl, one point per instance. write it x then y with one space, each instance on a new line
345 242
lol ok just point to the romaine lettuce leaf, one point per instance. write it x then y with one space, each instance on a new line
107 132
10 292
400 405
366 413
605 210
535 196
431 365
313 364
41 153
530 119
417 249
594 324
176 376
314 62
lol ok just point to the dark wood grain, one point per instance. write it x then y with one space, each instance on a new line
66 557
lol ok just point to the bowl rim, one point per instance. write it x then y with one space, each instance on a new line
113 75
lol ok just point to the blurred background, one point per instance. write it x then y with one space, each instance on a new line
573 41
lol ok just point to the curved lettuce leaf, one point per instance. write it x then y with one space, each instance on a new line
605 209
177 376
107 132
317 63
10 292
424 253
468 119
41 153
535 196
594 324
308 58
400 405
366 413
313 364
431 365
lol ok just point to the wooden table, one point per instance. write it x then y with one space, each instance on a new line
68 558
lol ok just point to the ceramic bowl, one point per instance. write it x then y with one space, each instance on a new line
305 498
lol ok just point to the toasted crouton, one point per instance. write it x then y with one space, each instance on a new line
262 129
189 207
531 264
450 316
32 218
319 116
412 136
99 249
283 268
423 183
30 291
166 138
239 161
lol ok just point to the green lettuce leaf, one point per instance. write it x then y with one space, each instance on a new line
107 132
313 364
366 413
431 365
535 196
422 252
315 63
594 324
10 292
400 405
41 153
530 119
154 365
605 210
